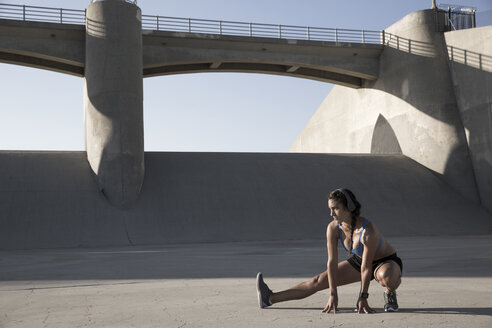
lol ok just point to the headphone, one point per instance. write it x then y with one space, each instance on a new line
350 203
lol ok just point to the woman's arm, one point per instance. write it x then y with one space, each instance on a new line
332 266
370 240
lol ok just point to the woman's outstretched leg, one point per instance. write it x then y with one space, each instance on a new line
346 275
302 290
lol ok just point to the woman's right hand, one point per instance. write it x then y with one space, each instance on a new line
331 305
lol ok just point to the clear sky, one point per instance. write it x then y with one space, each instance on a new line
43 110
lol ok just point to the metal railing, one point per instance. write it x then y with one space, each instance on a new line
42 14
189 25
129 1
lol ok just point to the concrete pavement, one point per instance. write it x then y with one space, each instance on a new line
447 282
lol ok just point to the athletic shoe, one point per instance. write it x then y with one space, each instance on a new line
391 303
264 292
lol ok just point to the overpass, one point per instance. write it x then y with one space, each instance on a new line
54 39
113 46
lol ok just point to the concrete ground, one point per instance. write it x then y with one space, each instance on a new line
447 283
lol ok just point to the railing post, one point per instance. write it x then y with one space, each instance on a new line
363 37
336 35
220 27
189 25
280 31
397 42
23 12
61 15
308 36
383 36
157 23
250 29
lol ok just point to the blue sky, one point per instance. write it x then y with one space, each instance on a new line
42 110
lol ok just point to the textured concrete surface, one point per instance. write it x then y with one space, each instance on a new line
50 200
447 283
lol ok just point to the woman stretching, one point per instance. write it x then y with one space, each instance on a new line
372 258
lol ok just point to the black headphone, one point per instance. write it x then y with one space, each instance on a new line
350 203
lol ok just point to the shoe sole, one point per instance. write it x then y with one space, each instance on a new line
260 302
390 310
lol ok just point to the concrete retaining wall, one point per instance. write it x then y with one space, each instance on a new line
50 199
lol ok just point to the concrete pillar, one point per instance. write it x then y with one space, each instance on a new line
113 99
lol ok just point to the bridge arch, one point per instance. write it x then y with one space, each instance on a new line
228 116
346 64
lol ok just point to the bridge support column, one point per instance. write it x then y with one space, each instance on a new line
113 99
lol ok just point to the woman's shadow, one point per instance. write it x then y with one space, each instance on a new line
487 311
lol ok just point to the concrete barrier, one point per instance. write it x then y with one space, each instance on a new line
50 200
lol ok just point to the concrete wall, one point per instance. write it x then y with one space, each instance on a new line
470 54
411 108
50 200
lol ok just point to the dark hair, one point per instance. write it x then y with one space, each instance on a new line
339 196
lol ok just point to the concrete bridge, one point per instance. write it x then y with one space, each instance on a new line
56 40
113 53
407 126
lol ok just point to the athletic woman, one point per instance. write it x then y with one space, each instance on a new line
371 257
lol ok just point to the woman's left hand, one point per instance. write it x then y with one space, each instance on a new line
363 306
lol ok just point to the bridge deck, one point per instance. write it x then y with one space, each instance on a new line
339 56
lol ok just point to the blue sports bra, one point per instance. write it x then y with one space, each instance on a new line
360 247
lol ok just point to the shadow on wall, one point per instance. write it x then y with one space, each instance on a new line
384 140
413 47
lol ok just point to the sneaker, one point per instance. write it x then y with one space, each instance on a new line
264 292
391 302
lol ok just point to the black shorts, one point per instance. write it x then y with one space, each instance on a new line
356 262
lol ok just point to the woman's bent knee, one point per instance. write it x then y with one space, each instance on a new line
388 275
